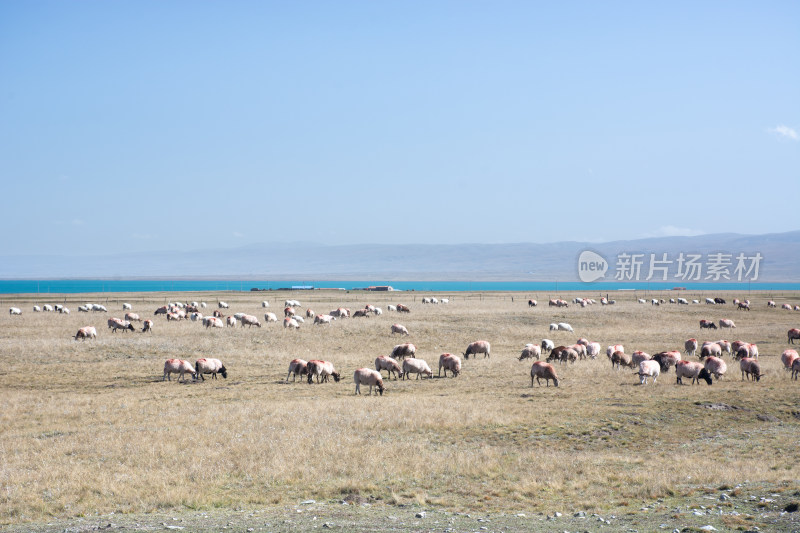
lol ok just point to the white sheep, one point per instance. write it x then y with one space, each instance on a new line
178 366
449 362
415 366
531 351
250 321
298 367
384 362
367 376
398 328
648 369
208 365
86 332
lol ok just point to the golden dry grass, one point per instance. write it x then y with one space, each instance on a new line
90 426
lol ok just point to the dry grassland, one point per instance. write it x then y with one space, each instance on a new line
90 427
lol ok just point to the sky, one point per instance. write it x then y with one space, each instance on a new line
170 125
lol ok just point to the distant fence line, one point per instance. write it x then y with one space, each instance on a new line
376 297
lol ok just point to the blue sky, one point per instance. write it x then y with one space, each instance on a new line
133 126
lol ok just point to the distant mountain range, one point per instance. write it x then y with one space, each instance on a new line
779 252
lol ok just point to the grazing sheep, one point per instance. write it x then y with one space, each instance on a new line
793 334
449 362
691 344
474 348
265 304
726 323
580 349
707 324
563 326
115 323
207 365
324 319
391 307
547 345
14 311
310 313
163 310
593 350
725 345
147 325
213 322
619 359
402 351
37 309
693 370
415 366
367 376
99 308
270 317
87 332
297 367
132 317
795 368
403 309
178 366
292 303
638 356
666 360
230 322
542 370
715 366
747 350
250 321
289 311
384 362
750 368
223 305
290 322
788 357
614 348
553 327
531 351
648 369
126 307
322 370
49 308
362 313
532 303
196 316
397 328
710 348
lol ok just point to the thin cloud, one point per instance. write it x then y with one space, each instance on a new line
238 235
785 132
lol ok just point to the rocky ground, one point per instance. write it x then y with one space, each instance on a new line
741 508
